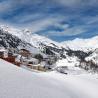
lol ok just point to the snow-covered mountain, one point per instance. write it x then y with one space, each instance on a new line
8 40
82 44
38 40
68 50
42 43
86 50
29 37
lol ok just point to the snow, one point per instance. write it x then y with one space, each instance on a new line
11 30
69 61
93 57
29 37
36 40
81 44
69 66
16 82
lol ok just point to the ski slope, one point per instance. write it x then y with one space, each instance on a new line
16 82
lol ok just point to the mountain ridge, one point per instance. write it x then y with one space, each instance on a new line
35 39
65 50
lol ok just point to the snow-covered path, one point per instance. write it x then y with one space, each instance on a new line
19 83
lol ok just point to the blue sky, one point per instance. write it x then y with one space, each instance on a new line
59 20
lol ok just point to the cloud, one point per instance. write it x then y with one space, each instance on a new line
51 17
42 24
92 20
67 32
5 6
68 3
77 3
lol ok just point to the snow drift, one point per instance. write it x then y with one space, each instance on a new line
16 82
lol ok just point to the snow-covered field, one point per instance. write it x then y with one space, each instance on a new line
16 82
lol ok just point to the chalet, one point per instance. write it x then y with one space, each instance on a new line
10 59
33 61
33 64
39 68
3 53
26 61
25 53
6 55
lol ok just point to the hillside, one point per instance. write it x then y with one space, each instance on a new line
16 82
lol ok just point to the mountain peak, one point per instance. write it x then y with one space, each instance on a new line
35 39
29 37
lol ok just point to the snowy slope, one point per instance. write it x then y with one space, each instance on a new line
19 83
69 66
69 61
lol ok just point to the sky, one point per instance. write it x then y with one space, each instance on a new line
59 20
